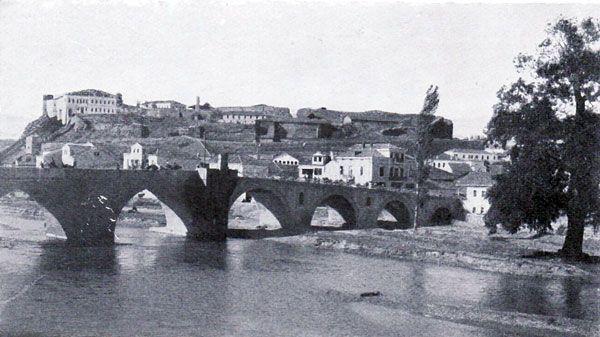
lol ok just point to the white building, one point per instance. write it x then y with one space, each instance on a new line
137 158
286 159
372 165
241 117
89 101
169 105
474 155
316 167
70 152
473 189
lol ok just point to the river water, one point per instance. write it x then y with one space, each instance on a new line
156 285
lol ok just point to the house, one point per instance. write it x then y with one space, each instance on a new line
241 117
71 151
49 159
473 190
89 101
371 165
474 155
99 157
138 158
477 160
166 108
245 165
285 159
315 167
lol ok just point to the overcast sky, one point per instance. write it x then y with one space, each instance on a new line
345 56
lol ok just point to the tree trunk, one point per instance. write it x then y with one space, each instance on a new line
573 246
417 207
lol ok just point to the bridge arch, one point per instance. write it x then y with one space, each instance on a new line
342 204
394 214
174 203
42 219
442 216
274 202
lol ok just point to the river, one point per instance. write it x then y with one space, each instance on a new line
156 285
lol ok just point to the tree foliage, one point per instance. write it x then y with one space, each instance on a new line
550 116
424 144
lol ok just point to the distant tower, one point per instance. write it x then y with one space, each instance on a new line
197 108
45 104
33 144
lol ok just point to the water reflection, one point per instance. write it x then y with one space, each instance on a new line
157 285
566 296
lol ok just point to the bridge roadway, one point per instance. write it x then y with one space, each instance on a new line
87 202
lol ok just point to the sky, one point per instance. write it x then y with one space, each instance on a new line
351 56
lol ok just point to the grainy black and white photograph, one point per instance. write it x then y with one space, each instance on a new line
299 168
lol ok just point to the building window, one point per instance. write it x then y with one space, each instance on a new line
301 198
318 171
474 193
341 170
474 210
382 171
481 210
483 193
361 170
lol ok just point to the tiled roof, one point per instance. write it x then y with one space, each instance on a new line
243 113
163 101
443 156
460 169
79 148
295 120
476 179
90 92
439 174
378 146
366 152
468 151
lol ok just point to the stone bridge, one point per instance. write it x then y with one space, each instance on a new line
293 203
87 202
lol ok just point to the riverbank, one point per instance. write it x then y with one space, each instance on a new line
462 244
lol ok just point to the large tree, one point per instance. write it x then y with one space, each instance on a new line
424 146
550 115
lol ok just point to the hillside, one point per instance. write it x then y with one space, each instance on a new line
4 143
217 137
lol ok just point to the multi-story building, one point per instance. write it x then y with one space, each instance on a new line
241 117
168 108
138 158
473 190
89 101
316 167
371 165
454 160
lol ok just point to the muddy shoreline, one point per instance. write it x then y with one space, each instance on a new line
463 244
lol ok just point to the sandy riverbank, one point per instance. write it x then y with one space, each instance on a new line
462 244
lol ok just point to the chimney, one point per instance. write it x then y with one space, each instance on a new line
197 103
223 161
332 155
